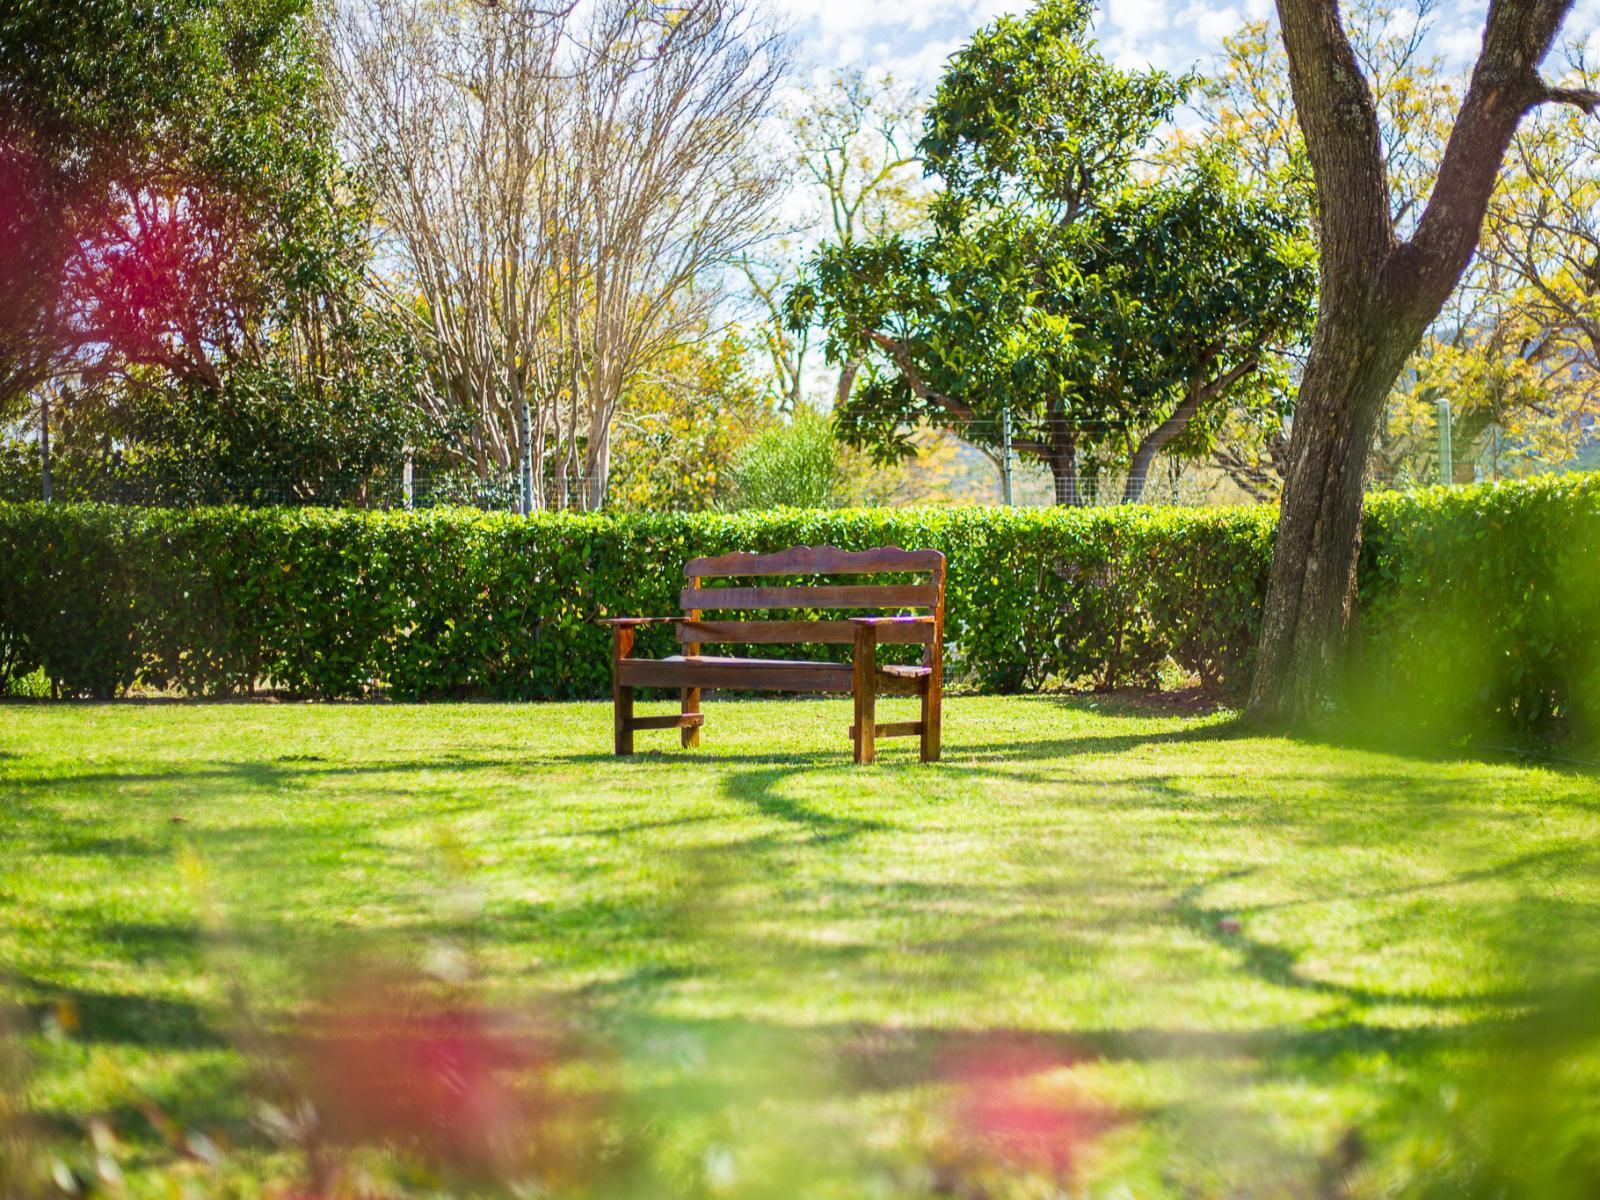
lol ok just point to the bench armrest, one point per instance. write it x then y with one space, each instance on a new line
629 622
909 620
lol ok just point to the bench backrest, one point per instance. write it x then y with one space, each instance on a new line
812 560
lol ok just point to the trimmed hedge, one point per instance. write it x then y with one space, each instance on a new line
1481 600
1480 608
456 602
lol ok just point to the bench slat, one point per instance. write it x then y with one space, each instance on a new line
815 560
672 721
892 729
730 673
897 595
799 633
759 675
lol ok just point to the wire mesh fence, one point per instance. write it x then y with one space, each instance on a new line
973 462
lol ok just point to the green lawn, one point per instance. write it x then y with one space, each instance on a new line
780 961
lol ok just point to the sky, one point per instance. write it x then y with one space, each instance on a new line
911 38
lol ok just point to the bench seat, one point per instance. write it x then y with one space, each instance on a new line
762 674
728 584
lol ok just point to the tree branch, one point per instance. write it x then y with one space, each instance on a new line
1339 118
1505 84
902 358
1157 439
1579 97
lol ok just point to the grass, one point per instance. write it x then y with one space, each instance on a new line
1273 966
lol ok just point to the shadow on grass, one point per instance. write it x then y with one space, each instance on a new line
279 773
1399 739
1279 966
762 790
113 1017
957 751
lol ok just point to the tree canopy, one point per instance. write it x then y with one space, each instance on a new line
1109 312
194 250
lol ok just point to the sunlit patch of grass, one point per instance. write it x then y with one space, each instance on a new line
1247 947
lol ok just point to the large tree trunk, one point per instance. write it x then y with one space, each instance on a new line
1378 297
1311 589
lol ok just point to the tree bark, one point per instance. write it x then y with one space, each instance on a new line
1154 442
1063 461
1378 296
1311 589
598 467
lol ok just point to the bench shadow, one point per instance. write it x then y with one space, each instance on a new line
956 751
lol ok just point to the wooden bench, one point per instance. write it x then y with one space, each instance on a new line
864 677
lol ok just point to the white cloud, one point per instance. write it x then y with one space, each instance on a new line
907 38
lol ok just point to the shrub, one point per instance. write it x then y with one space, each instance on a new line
797 464
457 602
1479 607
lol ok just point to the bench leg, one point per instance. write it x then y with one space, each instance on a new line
622 718
690 738
621 697
865 681
933 697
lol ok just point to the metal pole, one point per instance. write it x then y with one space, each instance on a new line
407 483
1446 458
44 439
1005 457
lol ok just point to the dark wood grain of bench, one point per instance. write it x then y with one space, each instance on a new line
863 676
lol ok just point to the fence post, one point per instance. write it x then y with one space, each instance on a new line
1005 457
1446 457
406 482
44 439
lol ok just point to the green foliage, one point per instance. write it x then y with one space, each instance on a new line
1030 110
455 602
1105 310
792 465
1480 607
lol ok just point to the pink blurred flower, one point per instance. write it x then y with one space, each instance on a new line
463 1086
1001 1111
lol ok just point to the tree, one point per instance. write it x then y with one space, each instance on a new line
563 188
682 424
1106 316
202 293
852 141
1380 291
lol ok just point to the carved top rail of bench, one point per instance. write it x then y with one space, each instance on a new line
815 560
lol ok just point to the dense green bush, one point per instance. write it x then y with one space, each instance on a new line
1480 607
798 463
457 602
1477 605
